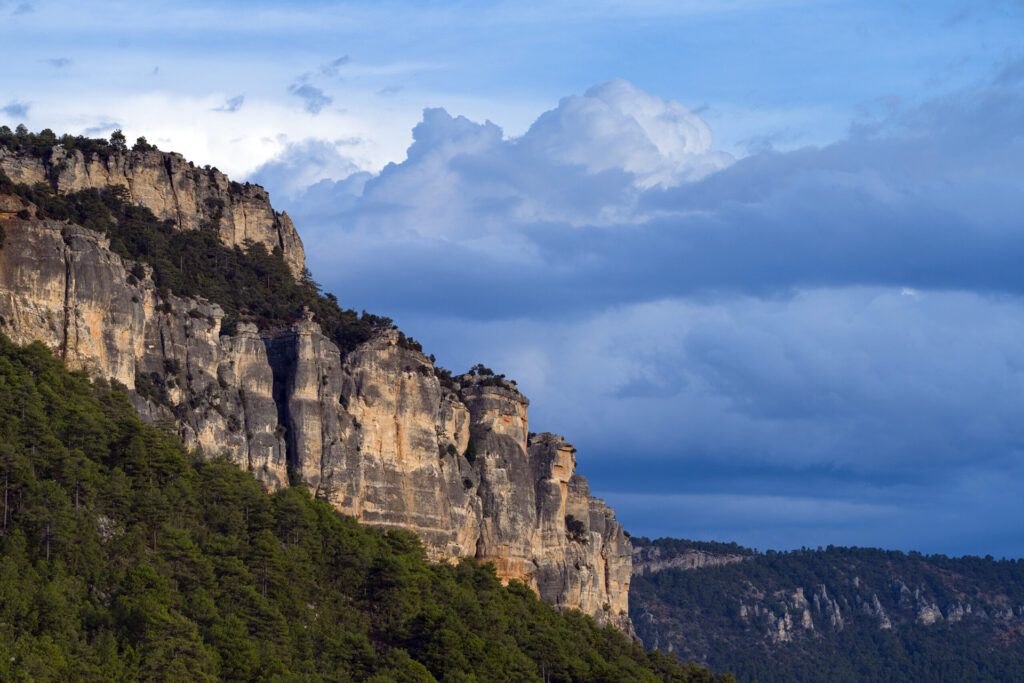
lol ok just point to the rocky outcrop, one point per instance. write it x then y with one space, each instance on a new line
61 285
540 525
587 566
654 559
375 432
828 607
371 434
172 188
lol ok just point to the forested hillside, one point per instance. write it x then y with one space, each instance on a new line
124 557
838 614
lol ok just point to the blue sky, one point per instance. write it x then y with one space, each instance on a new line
759 261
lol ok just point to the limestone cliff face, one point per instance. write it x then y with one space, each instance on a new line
373 432
529 492
172 188
654 559
377 435
61 285
408 434
589 570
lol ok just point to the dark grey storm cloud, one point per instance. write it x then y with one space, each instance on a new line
830 332
850 399
16 109
314 98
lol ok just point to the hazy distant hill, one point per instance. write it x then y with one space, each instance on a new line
838 614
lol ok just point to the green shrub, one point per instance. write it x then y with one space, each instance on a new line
470 453
575 530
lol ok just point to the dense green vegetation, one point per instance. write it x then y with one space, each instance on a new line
249 284
123 557
699 613
41 144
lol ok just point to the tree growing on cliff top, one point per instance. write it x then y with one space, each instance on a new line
118 141
142 145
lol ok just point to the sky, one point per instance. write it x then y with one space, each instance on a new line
758 260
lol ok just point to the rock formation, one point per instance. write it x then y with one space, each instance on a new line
172 188
654 559
374 432
61 285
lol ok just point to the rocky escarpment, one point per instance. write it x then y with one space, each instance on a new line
171 187
649 559
61 285
377 434
374 432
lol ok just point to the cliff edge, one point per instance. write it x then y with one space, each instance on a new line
171 187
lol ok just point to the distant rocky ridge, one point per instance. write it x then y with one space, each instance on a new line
652 558
833 614
373 431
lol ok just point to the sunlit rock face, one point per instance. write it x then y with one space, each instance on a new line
172 188
59 284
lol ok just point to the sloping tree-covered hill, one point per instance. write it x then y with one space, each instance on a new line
835 614
124 557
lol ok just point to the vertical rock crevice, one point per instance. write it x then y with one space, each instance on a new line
66 340
174 190
282 359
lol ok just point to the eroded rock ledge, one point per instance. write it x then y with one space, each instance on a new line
172 188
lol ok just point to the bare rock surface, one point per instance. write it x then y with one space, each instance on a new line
172 188
653 559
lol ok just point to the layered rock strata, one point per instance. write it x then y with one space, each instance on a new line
374 432
172 188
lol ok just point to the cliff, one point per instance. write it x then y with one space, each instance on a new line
171 187
652 558
373 431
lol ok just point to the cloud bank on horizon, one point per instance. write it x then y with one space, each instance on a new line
832 330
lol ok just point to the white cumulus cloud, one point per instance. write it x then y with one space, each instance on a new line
616 125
